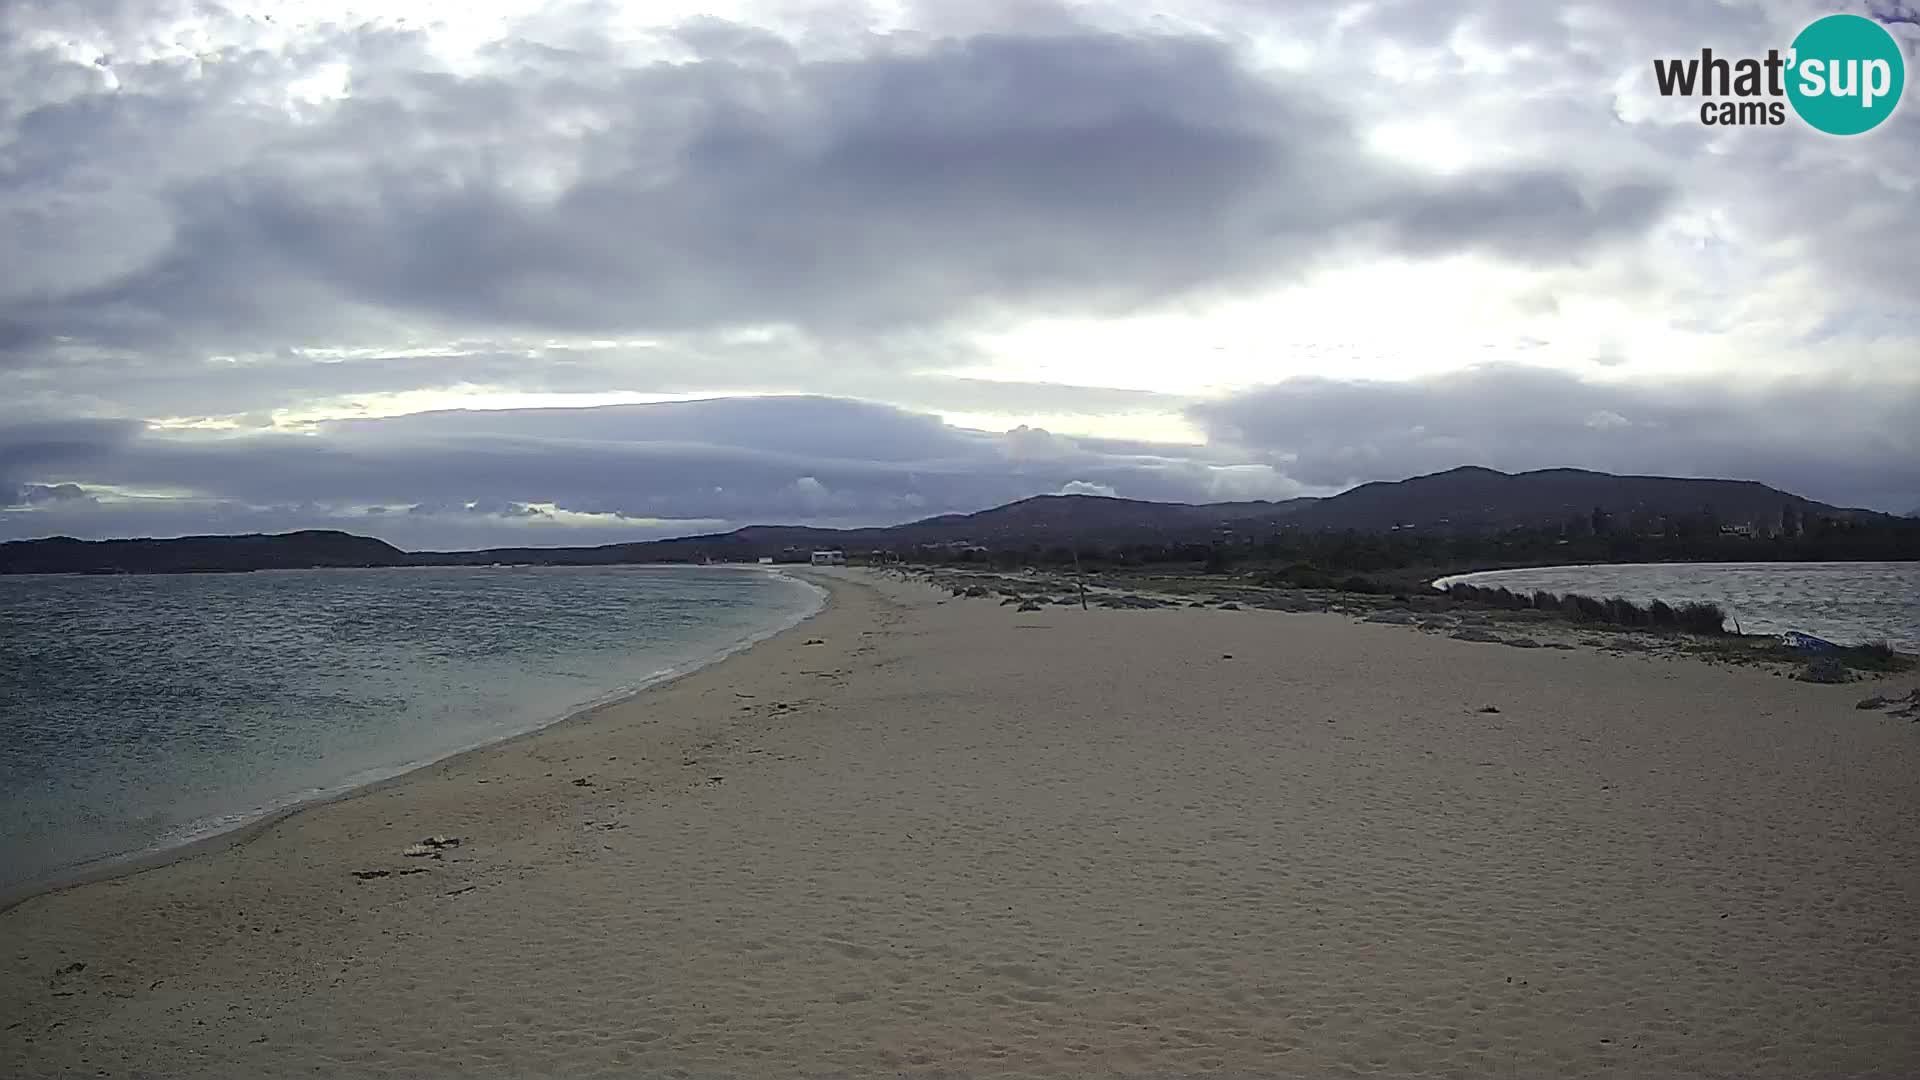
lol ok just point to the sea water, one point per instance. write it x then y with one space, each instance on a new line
142 712
1848 602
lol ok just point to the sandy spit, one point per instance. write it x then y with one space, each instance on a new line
953 838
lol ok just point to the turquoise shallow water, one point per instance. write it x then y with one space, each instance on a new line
1849 603
138 713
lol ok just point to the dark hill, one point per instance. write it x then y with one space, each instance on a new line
1057 516
1476 499
1044 520
1464 500
1467 499
190 554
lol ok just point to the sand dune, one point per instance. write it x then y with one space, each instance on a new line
957 838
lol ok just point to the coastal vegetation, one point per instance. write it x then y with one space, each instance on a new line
1696 618
1700 630
1360 561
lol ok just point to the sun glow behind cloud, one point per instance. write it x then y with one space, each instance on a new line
1392 320
1152 427
408 402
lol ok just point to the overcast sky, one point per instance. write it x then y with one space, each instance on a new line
470 272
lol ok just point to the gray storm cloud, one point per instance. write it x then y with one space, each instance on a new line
569 190
720 463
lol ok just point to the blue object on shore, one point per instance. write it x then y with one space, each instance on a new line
1799 642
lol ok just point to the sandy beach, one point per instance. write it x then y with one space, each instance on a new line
925 835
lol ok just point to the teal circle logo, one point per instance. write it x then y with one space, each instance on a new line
1847 74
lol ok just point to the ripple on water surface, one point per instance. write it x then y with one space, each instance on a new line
141 711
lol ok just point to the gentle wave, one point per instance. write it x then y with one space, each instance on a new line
142 714
214 826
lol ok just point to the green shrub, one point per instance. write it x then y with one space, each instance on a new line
1823 669
1624 612
1585 607
1875 656
1701 618
1297 576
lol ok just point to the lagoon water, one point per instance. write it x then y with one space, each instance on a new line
138 713
1848 602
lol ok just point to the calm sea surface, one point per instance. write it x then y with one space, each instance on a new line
1845 602
138 713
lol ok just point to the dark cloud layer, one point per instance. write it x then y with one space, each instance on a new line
650 470
703 464
573 191
1838 439
28 447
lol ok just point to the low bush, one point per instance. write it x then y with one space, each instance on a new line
1624 612
1875 656
1823 669
1585 607
1298 576
1498 597
1701 618
1697 618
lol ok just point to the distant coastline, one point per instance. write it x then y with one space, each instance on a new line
1462 519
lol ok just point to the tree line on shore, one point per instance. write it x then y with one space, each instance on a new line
1326 559
1698 618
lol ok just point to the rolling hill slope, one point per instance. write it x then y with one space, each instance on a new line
1466 499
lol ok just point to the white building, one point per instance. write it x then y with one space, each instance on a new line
829 558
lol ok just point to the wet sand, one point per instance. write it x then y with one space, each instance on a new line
955 838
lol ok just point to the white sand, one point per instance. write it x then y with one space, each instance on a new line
957 838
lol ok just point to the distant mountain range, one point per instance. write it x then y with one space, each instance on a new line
1466 499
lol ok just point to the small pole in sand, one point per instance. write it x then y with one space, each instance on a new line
1082 577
